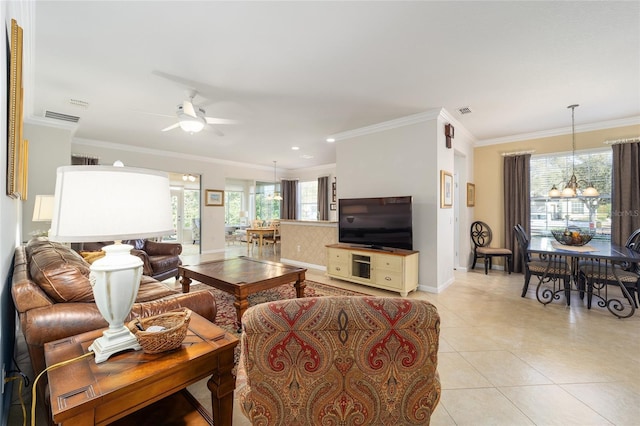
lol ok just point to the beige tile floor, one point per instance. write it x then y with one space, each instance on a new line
507 360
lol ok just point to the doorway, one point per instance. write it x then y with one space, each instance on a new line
185 205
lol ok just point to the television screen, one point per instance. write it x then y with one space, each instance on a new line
382 222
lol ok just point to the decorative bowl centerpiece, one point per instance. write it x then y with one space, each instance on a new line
572 236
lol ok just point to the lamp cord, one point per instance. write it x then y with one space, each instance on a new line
51 367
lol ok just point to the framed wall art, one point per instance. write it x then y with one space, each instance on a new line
471 194
446 189
213 197
15 95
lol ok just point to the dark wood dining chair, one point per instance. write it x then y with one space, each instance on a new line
556 268
481 236
593 274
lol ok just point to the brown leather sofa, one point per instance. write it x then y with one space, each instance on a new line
54 300
160 260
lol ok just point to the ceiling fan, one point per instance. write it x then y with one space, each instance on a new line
193 119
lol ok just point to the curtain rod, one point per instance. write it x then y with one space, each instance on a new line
510 154
617 141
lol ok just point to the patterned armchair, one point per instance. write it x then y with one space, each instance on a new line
339 360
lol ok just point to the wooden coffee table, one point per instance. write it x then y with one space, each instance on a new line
86 393
243 276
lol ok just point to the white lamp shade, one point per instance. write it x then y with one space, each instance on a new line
43 208
100 203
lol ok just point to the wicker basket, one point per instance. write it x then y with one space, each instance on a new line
175 323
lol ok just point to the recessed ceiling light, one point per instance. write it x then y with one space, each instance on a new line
306 156
331 140
295 148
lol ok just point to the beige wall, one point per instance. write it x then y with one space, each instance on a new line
489 168
304 243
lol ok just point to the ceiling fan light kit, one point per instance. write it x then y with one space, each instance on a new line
192 118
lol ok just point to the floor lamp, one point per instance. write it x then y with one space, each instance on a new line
105 203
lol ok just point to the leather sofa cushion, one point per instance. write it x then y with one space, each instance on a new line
162 249
164 263
59 271
152 289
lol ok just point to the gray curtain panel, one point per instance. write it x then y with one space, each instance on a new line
625 188
517 206
289 199
323 198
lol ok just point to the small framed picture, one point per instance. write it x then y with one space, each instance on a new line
332 206
213 197
446 189
471 194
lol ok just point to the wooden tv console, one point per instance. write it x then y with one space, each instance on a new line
392 269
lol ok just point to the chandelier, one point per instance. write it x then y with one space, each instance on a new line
571 188
276 193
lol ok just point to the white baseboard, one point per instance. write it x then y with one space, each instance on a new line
303 264
436 290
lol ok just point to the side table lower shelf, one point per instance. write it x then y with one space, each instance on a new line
181 408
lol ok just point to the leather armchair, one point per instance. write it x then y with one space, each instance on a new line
160 260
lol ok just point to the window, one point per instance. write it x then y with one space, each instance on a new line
191 208
558 213
308 200
266 207
232 206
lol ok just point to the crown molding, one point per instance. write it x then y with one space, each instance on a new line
171 154
631 121
49 122
388 125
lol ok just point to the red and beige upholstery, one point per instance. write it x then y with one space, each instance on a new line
339 360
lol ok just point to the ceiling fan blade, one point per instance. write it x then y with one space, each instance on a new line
188 109
214 130
154 113
213 120
173 126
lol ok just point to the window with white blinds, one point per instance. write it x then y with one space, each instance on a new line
593 167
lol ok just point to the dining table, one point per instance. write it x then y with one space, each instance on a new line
601 259
260 232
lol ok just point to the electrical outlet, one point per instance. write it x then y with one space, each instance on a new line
4 376
298 248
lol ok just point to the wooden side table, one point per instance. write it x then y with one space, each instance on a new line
86 393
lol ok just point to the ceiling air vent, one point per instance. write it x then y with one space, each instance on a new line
62 117
464 110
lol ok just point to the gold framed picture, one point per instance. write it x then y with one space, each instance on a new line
213 197
15 114
446 189
471 194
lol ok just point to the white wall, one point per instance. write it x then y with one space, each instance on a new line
213 175
404 157
49 148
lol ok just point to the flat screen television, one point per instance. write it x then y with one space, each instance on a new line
381 222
